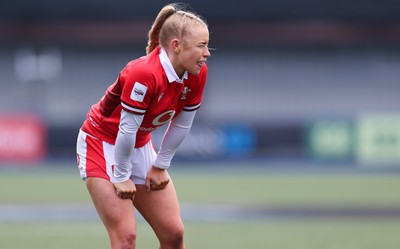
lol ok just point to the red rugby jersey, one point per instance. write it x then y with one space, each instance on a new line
143 88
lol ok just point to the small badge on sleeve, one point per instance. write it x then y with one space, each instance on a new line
138 92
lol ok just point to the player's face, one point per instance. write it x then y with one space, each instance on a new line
194 52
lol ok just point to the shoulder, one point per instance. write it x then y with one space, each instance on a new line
143 66
146 70
204 69
200 78
203 72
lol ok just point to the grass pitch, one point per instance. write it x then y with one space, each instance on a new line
285 234
217 185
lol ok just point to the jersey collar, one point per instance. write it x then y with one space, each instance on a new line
169 69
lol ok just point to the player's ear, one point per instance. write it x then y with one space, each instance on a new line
176 45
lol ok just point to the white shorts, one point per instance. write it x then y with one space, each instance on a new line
96 159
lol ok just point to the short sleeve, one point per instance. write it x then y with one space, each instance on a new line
137 89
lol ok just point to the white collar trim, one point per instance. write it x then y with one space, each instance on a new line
169 69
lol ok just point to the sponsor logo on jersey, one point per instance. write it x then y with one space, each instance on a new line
138 92
147 129
163 118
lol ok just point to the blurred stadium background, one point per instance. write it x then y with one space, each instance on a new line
310 86
304 79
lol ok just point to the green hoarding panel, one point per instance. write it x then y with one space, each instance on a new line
330 139
378 139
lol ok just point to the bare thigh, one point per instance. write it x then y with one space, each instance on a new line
117 214
160 208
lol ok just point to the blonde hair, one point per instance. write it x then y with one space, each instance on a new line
171 21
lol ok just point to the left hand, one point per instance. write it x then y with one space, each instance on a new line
157 179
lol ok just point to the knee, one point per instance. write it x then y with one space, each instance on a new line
129 241
174 237
124 241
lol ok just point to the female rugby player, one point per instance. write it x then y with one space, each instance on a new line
116 157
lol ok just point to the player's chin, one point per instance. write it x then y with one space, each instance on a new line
196 70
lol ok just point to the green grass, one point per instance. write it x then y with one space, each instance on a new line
228 186
259 187
42 185
286 234
297 234
283 189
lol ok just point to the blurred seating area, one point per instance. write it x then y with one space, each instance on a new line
285 75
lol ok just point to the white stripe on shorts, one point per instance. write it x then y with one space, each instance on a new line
108 152
81 151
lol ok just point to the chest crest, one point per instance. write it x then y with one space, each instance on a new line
185 91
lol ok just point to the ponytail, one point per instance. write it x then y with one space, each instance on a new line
154 32
176 26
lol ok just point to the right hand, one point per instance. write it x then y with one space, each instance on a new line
126 189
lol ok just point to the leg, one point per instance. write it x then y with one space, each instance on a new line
160 208
117 214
